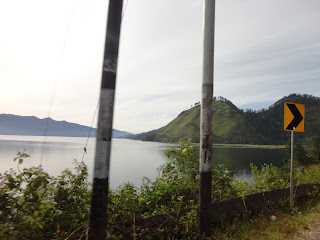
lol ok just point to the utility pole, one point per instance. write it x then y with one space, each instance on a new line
99 201
204 228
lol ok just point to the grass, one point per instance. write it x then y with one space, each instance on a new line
229 125
287 225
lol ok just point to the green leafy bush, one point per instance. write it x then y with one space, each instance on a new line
35 205
269 178
308 175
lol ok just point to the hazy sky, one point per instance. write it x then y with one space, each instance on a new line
51 55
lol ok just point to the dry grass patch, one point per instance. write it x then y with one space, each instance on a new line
287 224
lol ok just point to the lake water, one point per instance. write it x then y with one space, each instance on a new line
130 160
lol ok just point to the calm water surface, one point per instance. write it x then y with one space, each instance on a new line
130 160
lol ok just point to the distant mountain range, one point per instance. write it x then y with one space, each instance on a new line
233 125
230 124
29 125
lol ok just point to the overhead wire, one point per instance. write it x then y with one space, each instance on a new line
55 86
58 72
85 147
124 11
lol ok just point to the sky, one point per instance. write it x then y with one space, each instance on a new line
51 55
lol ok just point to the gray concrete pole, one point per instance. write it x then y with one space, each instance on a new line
98 217
205 193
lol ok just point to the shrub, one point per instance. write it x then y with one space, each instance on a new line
269 178
308 175
35 205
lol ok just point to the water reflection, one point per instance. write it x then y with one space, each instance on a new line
238 160
130 160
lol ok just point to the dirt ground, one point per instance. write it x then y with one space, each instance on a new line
311 233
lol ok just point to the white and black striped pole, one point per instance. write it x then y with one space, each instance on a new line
204 216
98 217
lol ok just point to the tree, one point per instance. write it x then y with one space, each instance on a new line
299 152
316 150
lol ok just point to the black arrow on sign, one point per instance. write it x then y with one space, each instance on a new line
297 117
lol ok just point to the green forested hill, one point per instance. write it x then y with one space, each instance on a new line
232 125
269 122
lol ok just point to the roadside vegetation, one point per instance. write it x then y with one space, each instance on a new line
35 205
275 223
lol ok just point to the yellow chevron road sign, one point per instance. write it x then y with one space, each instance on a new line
294 115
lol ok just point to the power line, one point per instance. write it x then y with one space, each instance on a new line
55 84
85 147
54 91
124 11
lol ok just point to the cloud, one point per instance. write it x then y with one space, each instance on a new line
263 50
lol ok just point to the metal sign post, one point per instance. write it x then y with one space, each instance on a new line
291 171
294 115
